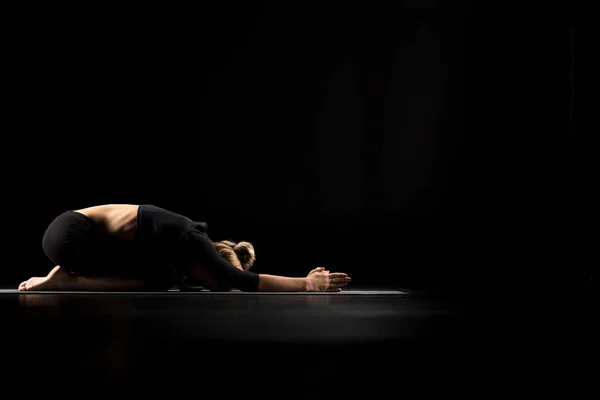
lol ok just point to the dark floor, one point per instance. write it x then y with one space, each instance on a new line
353 344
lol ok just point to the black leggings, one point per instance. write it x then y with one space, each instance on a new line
67 240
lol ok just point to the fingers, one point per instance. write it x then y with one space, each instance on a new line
344 279
333 282
338 280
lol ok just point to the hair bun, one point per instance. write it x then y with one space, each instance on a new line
245 253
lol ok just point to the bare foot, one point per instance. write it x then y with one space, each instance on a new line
57 279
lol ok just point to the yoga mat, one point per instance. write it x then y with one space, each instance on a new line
177 292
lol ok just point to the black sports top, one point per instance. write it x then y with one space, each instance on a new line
173 239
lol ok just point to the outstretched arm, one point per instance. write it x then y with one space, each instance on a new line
198 247
318 280
275 283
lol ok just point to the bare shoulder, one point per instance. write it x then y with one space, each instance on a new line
116 219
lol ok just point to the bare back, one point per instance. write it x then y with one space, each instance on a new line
119 220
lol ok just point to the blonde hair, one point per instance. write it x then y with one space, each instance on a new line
240 255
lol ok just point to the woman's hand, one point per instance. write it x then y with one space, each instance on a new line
320 280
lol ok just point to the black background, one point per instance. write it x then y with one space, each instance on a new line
421 145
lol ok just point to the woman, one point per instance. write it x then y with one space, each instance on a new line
125 247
